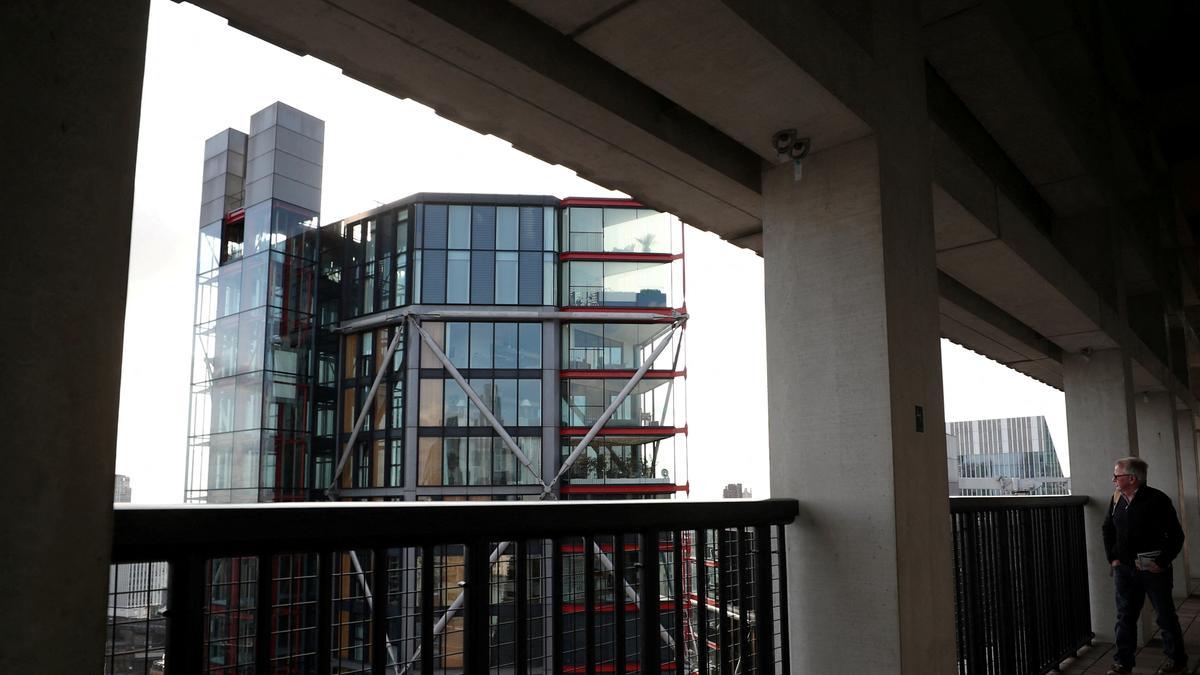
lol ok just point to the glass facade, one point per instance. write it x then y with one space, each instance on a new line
252 358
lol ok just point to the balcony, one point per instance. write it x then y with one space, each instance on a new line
567 587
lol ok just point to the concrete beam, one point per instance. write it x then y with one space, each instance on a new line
503 72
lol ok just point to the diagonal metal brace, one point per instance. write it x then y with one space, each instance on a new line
486 410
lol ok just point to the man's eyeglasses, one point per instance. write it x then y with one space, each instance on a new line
1119 476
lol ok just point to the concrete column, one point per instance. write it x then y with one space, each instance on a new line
1101 428
1185 422
852 342
70 147
1157 445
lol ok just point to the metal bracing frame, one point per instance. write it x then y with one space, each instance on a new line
581 447
413 316
484 409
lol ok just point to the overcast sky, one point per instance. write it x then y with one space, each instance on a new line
202 76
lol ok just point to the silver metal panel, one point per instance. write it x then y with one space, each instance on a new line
263 119
260 166
258 190
301 146
212 211
299 170
262 141
292 192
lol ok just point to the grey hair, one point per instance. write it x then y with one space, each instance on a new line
1136 466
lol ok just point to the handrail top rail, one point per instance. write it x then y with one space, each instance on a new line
1012 502
144 532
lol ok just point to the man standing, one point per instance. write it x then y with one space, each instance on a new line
1141 537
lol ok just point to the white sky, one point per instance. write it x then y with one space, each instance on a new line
202 76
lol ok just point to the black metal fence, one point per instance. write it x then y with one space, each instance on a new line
1021 583
583 587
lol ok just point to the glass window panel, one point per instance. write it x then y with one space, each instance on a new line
529 280
505 405
479 461
224 403
456 405
401 283
483 228
257 228
369 241
529 407
429 459
220 462
435 226
548 228
458 277
531 345
504 463
434 283
431 403
224 360
623 348
548 285
401 236
254 281
506 278
481 345
506 228
585 347
583 401
208 257
244 467
532 447
586 230
248 414
229 289
251 332
483 389
531 228
506 346
454 457
294 231
585 283
628 284
436 330
460 227
457 339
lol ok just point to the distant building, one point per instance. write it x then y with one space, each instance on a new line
122 493
135 590
1013 455
736 491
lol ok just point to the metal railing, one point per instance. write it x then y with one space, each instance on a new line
510 587
1021 583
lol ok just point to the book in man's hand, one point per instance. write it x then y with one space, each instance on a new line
1145 560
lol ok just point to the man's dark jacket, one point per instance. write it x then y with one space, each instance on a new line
1148 523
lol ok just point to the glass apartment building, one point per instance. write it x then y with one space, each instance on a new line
441 347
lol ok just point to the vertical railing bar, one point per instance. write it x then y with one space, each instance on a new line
725 648
651 658
478 592
701 546
556 606
379 611
619 602
744 605
677 559
324 612
763 610
521 609
589 604
262 613
428 646
784 636
186 584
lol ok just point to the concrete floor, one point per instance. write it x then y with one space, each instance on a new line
1097 658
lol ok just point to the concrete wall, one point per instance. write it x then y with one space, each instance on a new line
70 146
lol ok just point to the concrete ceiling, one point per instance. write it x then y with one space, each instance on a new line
1032 107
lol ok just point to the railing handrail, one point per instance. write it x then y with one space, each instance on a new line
966 504
145 533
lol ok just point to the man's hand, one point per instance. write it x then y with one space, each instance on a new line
1152 567
1115 563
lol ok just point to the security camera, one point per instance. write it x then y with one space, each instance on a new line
789 146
